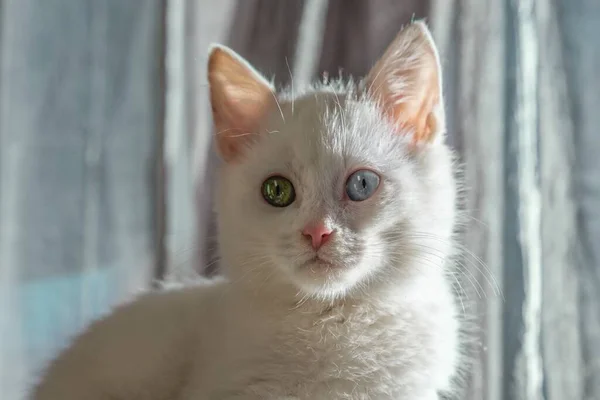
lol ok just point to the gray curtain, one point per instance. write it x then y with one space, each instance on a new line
522 92
106 165
80 113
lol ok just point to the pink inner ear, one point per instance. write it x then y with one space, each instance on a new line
406 82
240 99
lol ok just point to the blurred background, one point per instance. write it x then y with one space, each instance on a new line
106 166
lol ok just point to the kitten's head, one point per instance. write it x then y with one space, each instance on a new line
338 186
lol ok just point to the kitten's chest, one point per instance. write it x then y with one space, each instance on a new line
335 355
346 353
333 338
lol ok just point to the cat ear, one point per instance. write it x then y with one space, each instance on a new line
406 83
240 97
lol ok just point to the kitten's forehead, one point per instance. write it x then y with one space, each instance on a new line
310 119
321 128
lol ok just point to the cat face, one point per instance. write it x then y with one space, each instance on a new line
331 189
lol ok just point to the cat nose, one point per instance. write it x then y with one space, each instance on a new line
319 234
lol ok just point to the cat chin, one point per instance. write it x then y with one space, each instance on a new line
324 291
323 279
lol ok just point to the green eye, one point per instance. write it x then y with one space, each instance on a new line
278 191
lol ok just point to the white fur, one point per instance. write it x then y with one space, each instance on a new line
381 326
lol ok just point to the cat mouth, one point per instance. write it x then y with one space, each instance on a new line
319 262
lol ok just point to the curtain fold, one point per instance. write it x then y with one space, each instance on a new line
573 59
473 52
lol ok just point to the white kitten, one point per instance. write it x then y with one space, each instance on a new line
336 209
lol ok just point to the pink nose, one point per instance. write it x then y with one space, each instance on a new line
319 234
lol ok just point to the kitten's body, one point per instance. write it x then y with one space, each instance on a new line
212 342
376 320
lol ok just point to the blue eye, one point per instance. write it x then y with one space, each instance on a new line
362 184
